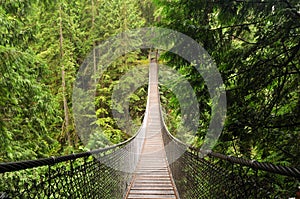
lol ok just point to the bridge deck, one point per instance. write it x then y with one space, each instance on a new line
152 178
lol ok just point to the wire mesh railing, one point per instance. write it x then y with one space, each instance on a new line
220 176
103 173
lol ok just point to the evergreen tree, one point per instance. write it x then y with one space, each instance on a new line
256 46
27 111
115 17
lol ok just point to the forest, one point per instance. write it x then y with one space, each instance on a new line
254 43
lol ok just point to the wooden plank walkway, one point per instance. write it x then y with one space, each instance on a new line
152 178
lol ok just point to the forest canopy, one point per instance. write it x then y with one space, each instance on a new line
255 45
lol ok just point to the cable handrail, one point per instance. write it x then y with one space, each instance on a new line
29 164
265 166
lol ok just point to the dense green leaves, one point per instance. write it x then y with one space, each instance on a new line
256 47
255 44
27 112
42 45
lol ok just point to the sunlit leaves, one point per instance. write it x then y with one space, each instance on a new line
27 112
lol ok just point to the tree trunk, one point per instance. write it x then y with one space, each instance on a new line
94 43
63 80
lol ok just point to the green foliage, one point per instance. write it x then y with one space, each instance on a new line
33 61
255 45
256 48
27 111
115 17
117 131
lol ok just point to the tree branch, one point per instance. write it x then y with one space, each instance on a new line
233 26
282 126
294 10
242 39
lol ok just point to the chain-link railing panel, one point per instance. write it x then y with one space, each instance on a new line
104 173
80 178
215 177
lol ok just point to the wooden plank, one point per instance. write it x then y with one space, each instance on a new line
162 185
154 187
152 192
151 196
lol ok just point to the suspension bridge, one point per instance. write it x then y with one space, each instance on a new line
151 164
